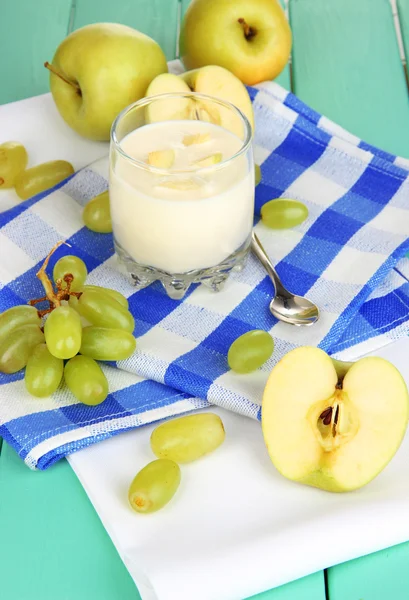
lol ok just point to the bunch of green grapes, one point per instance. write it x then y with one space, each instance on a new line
29 182
84 323
180 440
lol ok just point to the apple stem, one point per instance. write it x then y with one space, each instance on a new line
249 32
61 76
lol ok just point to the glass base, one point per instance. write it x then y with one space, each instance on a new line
177 284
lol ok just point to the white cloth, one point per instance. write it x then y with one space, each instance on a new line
236 527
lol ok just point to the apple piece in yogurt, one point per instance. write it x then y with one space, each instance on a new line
180 184
198 138
208 161
162 159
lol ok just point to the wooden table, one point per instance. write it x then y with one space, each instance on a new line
346 64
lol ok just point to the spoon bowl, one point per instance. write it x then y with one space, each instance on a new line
285 306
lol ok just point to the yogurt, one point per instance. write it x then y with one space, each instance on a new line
186 217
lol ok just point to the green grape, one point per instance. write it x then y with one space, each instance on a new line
102 310
107 344
257 174
188 438
63 332
283 213
17 348
17 316
97 214
86 380
113 293
42 177
43 372
13 160
250 351
154 486
74 266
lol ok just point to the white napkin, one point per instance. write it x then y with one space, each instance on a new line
236 527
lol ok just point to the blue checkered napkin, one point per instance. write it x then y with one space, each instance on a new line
347 257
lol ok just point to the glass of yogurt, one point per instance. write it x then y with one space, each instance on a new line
181 190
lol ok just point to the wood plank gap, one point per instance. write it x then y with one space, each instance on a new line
326 588
359 85
71 17
398 30
291 71
179 25
399 34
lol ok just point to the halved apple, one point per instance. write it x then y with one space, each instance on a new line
220 83
170 108
333 426
211 80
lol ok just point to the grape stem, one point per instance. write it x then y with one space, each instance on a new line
43 277
54 297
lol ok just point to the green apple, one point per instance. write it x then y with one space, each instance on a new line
251 38
100 69
332 425
213 81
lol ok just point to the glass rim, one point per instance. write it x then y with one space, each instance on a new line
161 171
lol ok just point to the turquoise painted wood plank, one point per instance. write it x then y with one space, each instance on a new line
403 11
346 65
283 79
29 34
306 588
53 545
156 18
52 529
379 576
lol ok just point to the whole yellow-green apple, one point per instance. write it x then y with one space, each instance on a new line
100 69
250 38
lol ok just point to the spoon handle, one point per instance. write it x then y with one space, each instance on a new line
261 254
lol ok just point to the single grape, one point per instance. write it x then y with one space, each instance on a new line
257 174
63 332
113 293
13 160
97 214
42 177
283 213
17 316
250 351
188 438
107 344
74 266
154 485
43 372
16 349
102 310
86 380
